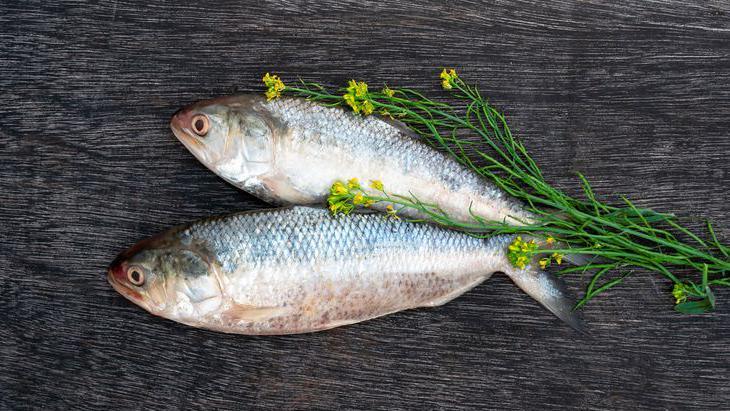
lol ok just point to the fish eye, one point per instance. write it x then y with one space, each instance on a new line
200 125
135 275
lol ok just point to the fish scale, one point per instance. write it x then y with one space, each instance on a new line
335 128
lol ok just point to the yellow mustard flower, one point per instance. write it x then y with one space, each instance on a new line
350 100
376 184
392 212
274 86
358 89
515 245
520 252
357 97
550 240
361 89
338 188
353 183
448 78
351 86
388 92
679 293
340 206
558 258
358 199
367 107
544 262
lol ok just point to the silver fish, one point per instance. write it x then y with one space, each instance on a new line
298 270
291 151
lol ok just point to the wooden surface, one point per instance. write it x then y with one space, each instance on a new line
636 96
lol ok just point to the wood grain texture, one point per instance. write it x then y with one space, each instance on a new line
635 95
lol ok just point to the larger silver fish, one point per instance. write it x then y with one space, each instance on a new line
291 151
297 270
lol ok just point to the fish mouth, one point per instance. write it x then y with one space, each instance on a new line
184 134
125 291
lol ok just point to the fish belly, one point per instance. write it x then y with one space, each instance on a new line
303 298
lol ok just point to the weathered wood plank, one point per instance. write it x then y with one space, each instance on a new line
636 96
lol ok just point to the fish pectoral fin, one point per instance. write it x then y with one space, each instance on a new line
279 189
245 312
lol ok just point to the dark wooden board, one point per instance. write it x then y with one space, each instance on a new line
635 95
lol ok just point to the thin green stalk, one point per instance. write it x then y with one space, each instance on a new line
621 237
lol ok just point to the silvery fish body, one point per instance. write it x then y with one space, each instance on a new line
298 269
291 151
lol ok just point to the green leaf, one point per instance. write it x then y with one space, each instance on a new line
696 307
710 297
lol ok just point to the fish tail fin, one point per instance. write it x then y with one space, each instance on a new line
550 291
573 258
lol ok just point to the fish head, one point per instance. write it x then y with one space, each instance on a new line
232 136
167 279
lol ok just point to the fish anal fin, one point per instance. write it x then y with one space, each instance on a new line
445 298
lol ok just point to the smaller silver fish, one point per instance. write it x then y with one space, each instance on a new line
290 151
298 270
